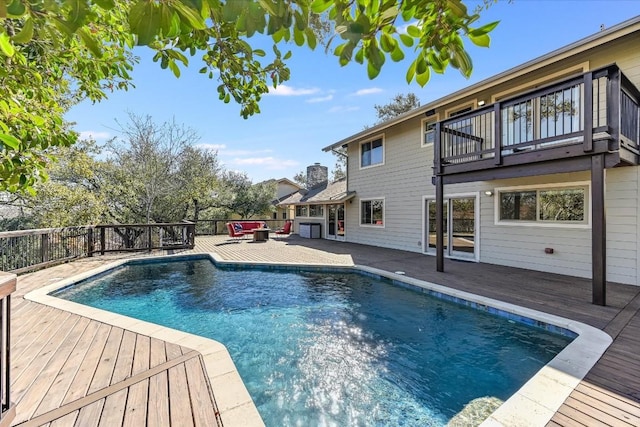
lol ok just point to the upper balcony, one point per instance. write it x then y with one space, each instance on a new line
597 112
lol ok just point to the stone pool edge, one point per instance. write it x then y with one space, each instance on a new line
534 404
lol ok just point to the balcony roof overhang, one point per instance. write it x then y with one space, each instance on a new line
620 30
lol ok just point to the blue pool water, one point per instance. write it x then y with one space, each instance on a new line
332 348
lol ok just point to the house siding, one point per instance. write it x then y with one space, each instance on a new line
405 180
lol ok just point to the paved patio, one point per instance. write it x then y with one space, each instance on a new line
68 369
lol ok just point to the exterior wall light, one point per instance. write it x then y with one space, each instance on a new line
488 193
480 103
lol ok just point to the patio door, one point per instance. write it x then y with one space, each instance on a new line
335 222
460 226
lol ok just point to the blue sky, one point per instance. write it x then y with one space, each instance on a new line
323 103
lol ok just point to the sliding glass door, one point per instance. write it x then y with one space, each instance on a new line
460 228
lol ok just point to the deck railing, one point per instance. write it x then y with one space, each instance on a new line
26 250
214 227
7 287
141 237
601 104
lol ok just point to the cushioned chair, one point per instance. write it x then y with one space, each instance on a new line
234 233
284 231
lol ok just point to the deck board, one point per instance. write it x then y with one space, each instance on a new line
59 358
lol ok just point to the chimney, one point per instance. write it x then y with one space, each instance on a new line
317 175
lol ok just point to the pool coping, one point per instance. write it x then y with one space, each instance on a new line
534 404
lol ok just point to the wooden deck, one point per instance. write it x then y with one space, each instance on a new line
71 370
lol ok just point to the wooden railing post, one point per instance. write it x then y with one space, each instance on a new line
44 247
91 244
613 105
587 142
149 239
103 240
497 133
7 408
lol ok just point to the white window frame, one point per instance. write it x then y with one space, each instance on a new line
430 121
541 187
315 216
369 140
384 213
306 209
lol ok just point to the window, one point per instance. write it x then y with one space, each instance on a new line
302 211
316 210
371 153
284 215
372 212
429 132
567 205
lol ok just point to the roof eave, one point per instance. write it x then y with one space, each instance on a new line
623 28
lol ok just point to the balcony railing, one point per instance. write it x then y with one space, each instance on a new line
601 105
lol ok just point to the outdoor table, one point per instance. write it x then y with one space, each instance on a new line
260 234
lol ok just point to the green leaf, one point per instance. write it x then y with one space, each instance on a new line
26 33
191 15
319 6
9 141
423 79
16 9
298 36
406 40
457 8
5 45
485 29
174 67
90 42
144 20
482 40
413 31
411 72
106 4
397 54
372 70
3 9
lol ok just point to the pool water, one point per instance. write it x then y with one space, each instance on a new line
322 349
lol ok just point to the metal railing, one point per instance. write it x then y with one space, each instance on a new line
27 250
214 227
567 113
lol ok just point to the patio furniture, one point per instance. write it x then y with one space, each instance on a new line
261 234
235 233
286 230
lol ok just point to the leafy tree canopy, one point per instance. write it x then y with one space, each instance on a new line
54 53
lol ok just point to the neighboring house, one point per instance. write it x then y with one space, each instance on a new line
284 189
521 167
320 206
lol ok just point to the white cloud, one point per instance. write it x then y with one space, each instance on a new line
368 91
212 147
284 90
343 109
320 99
95 135
269 163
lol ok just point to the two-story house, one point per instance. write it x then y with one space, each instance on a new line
535 167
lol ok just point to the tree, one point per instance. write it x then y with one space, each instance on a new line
147 160
82 49
398 105
300 178
340 168
242 197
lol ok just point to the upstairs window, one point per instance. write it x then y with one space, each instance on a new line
316 211
372 153
429 132
302 211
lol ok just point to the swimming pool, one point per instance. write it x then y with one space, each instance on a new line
333 348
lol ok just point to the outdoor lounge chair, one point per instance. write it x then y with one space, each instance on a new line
233 233
286 230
